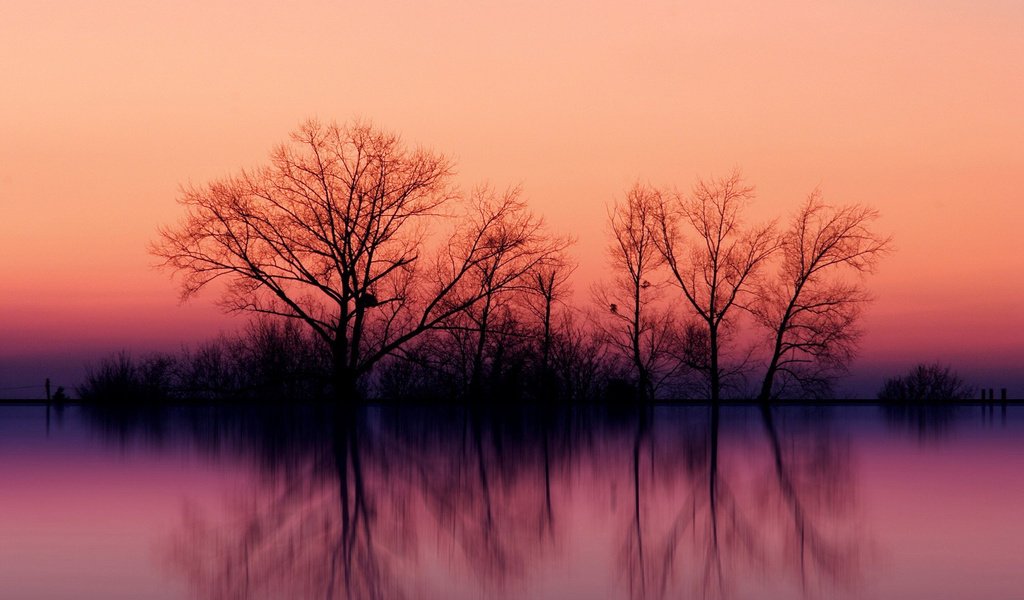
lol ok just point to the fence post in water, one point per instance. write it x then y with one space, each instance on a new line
47 389
1002 395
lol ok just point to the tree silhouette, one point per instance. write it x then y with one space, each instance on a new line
518 246
547 287
712 256
810 312
334 233
631 320
926 383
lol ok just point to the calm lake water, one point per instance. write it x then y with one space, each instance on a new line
678 502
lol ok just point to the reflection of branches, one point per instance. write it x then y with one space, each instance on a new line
728 532
695 535
927 422
355 545
484 505
707 508
368 511
302 536
633 549
814 487
713 566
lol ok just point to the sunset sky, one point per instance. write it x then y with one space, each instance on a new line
915 108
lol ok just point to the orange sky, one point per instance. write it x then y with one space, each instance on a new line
913 107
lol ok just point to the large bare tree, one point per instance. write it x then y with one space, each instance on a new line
811 305
335 232
713 257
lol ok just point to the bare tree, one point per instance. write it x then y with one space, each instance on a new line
712 256
333 233
548 284
633 323
518 246
579 360
810 311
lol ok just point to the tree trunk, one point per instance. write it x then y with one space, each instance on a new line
476 376
343 377
716 383
547 379
769 381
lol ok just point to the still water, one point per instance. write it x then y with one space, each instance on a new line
676 502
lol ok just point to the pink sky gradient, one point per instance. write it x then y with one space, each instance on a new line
912 107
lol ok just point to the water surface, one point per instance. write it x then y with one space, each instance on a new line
444 502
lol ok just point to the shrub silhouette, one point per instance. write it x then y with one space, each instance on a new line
926 383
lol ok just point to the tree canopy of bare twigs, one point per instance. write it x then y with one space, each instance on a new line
713 257
633 323
926 383
803 286
548 286
809 308
334 232
518 248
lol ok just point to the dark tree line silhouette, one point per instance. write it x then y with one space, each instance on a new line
270 359
926 383
387 281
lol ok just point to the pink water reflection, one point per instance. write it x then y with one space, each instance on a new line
842 503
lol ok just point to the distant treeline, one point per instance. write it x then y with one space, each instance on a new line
277 360
269 359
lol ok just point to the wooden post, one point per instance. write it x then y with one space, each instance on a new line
47 389
1002 395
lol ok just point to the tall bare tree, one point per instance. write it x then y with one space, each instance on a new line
632 321
809 307
713 257
517 246
333 232
548 286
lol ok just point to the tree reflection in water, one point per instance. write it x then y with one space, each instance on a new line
702 526
813 481
926 422
441 502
